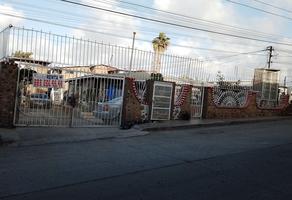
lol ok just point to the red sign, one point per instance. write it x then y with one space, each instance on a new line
48 80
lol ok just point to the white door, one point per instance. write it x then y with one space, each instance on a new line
161 101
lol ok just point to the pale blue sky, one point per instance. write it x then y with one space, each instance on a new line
184 42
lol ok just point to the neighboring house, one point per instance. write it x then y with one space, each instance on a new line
27 67
91 83
138 75
79 71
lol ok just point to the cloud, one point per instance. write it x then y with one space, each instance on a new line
6 20
225 13
115 29
118 30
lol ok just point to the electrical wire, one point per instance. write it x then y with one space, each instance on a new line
259 9
110 27
109 23
114 35
239 54
173 24
201 37
205 49
273 6
193 18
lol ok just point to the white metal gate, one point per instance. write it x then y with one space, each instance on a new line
197 99
67 96
161 100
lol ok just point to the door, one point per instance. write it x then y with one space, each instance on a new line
197 101
161 100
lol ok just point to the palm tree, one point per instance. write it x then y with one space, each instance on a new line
160 45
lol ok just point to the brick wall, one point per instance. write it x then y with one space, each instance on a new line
8 82
251 109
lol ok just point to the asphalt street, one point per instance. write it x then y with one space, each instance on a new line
247 161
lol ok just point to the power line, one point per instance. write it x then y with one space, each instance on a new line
273 6
193 18
209 23
215 24
121 23
259 9
239 54
112 29
173 24
110 34
286 51
64 17
281 56
283 63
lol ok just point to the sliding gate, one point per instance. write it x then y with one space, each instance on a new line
65 97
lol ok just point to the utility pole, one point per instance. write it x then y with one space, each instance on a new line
285 83
131 59
270 55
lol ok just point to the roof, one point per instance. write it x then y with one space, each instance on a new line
109 68
267 69
30 60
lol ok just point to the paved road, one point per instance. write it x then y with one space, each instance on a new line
251 161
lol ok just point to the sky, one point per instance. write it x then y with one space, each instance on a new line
214 15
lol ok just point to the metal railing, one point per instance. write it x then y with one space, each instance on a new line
65 51
4 41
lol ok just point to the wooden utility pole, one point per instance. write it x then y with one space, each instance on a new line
270 55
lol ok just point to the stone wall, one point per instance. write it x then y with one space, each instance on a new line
182 105
8 83
131 113
251 109
134 109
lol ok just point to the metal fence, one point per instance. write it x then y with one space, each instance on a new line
98 67
64 97
4 41
65 51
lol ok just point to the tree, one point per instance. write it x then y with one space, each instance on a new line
21 54
220 77
160 45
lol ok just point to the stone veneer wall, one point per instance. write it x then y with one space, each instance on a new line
8 84
251 109
131 112
184 105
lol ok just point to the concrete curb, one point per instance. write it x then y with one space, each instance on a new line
70 140
213 124
12 138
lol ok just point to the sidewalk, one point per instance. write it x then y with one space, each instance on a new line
197 123
27 136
